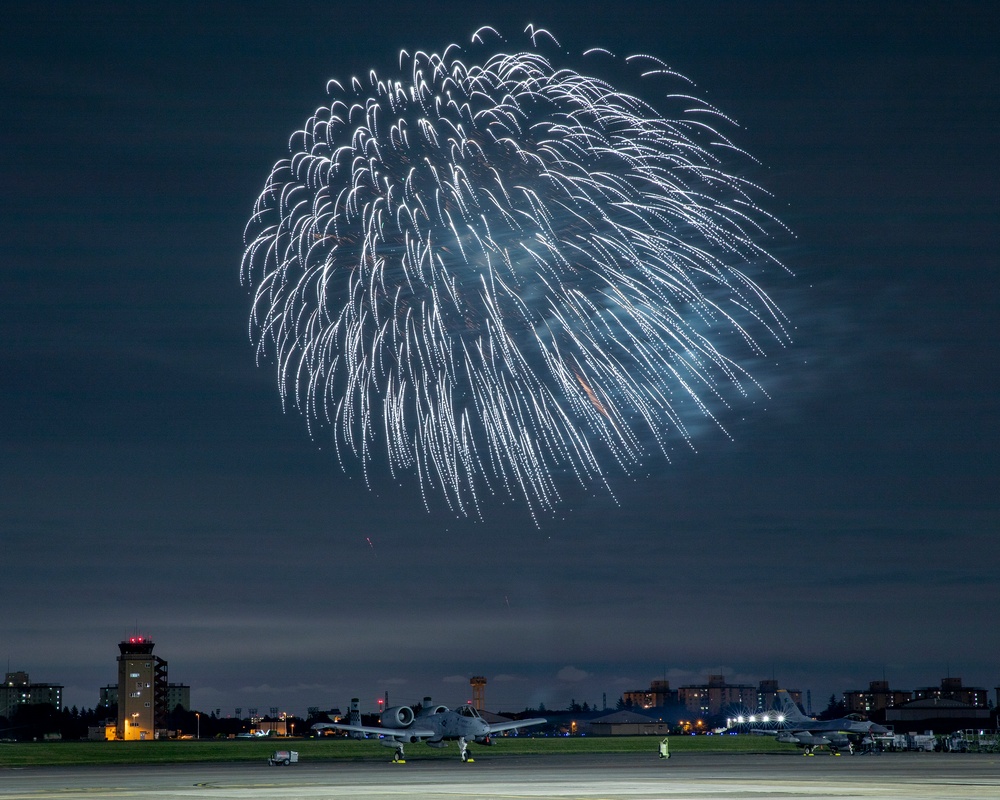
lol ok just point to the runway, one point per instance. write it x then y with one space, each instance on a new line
916 776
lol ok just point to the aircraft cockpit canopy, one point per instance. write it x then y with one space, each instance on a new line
469 711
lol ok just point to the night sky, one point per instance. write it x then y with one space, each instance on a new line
843 531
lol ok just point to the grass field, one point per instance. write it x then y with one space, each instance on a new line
167 752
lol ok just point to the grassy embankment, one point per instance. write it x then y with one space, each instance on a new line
175 752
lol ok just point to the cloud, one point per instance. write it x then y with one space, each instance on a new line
291 689
572 674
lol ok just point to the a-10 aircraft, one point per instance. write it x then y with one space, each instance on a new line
434 726
836 734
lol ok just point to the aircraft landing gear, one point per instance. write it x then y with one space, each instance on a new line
398 757
463 750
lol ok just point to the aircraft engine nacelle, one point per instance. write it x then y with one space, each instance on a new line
803 739
397 717
396 740
431 710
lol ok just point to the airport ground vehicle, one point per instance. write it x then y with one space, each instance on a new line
282 758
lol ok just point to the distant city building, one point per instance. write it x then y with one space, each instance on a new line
878 697
658 694
142 690
109 696
178 694
952 689
717 696
767 695
18 690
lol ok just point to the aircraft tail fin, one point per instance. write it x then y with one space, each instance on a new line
788 707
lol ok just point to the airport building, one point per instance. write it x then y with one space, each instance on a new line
478 684
18 690
628 723
141 691
942 715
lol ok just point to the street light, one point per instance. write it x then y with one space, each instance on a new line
198 727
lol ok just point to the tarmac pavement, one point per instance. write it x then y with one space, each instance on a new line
916 776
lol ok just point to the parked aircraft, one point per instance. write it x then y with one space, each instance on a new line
432 725
837 734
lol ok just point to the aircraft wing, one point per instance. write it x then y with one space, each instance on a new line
517 723
421 733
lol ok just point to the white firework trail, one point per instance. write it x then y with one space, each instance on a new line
506 275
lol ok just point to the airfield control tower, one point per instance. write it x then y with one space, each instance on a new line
142 690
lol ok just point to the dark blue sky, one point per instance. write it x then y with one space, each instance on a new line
149 478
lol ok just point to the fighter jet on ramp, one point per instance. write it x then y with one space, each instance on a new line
433 725
808 733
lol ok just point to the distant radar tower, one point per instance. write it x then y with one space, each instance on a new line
478 692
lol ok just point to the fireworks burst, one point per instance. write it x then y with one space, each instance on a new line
506 275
